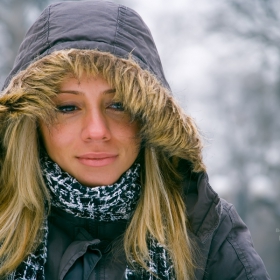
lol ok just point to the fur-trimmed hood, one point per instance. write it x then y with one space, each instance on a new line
123 38
100 25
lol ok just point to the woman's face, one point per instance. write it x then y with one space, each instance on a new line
93 138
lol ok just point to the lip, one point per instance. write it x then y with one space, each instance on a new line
97 159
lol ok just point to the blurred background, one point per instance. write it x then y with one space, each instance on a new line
222 60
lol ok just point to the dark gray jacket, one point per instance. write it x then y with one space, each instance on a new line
84 249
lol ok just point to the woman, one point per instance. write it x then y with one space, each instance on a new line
101 171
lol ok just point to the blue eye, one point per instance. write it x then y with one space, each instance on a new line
118 106
66 108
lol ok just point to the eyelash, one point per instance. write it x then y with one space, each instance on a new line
117 106
66 108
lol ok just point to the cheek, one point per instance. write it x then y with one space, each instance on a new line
132 137
126 135
47 139
54 139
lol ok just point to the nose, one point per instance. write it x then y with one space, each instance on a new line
95 127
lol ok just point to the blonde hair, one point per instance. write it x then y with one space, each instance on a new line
167 133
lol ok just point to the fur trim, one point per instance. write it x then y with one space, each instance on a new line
164 126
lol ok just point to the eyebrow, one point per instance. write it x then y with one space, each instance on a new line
108 91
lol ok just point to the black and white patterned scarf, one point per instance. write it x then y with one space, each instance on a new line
104 203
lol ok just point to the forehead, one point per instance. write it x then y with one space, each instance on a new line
85 85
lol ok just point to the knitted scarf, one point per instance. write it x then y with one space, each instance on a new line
104 203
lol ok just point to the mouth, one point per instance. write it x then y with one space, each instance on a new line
97 159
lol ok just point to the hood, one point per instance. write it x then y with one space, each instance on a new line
117 44
99 25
